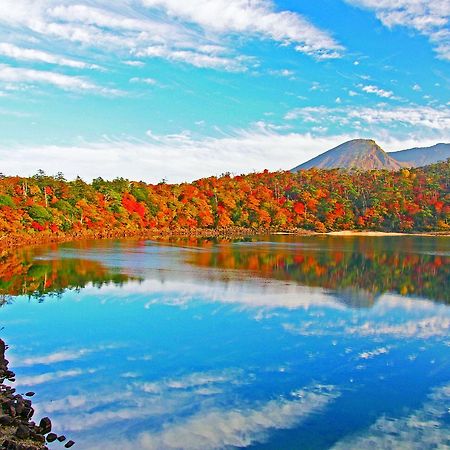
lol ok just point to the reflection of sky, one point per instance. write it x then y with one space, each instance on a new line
183 360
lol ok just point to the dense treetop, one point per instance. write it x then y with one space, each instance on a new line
319 200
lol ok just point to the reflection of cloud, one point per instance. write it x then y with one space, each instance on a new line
248 293
59 356
50 376
64 355
424 428
374 353
424 328
217 428
193 380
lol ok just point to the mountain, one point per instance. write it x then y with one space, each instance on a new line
362 154
422 156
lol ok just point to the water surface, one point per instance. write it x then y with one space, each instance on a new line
266 343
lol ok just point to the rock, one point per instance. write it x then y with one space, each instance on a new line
61 438
45 425
6 420
9 445
51 437
69 444
23 432
27 412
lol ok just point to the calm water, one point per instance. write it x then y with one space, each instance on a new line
270 343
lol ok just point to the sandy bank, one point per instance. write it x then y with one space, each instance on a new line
384 233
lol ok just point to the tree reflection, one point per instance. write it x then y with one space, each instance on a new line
360 265
23 273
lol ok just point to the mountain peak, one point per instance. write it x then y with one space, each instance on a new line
362 154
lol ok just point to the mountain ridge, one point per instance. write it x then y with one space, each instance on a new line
366 154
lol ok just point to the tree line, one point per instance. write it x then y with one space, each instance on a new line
407 200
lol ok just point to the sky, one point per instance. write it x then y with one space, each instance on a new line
179 90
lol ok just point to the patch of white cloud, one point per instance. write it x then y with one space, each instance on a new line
429 18
434 118
371 89
426 427
19 75
253 17
28 54
149 81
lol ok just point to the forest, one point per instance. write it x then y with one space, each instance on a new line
43 207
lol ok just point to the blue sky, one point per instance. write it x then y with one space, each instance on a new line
152 89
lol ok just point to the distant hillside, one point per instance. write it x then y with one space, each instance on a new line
422 156
362 154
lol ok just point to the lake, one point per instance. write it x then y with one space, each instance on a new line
274 342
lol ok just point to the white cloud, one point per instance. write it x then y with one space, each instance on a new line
27 54
201 33
255 17
195 57
66 82
134 63
266 146
371 89
196 158
434 118
430 18
149 81
283 73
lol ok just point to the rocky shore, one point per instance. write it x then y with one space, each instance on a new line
17 429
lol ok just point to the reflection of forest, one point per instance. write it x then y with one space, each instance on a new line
359 269
363 268
22 274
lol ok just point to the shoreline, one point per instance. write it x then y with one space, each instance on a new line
387 233
18 431
11 242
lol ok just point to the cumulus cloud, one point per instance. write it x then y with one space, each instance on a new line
371 89
430 18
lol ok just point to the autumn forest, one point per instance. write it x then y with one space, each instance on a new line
41 207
